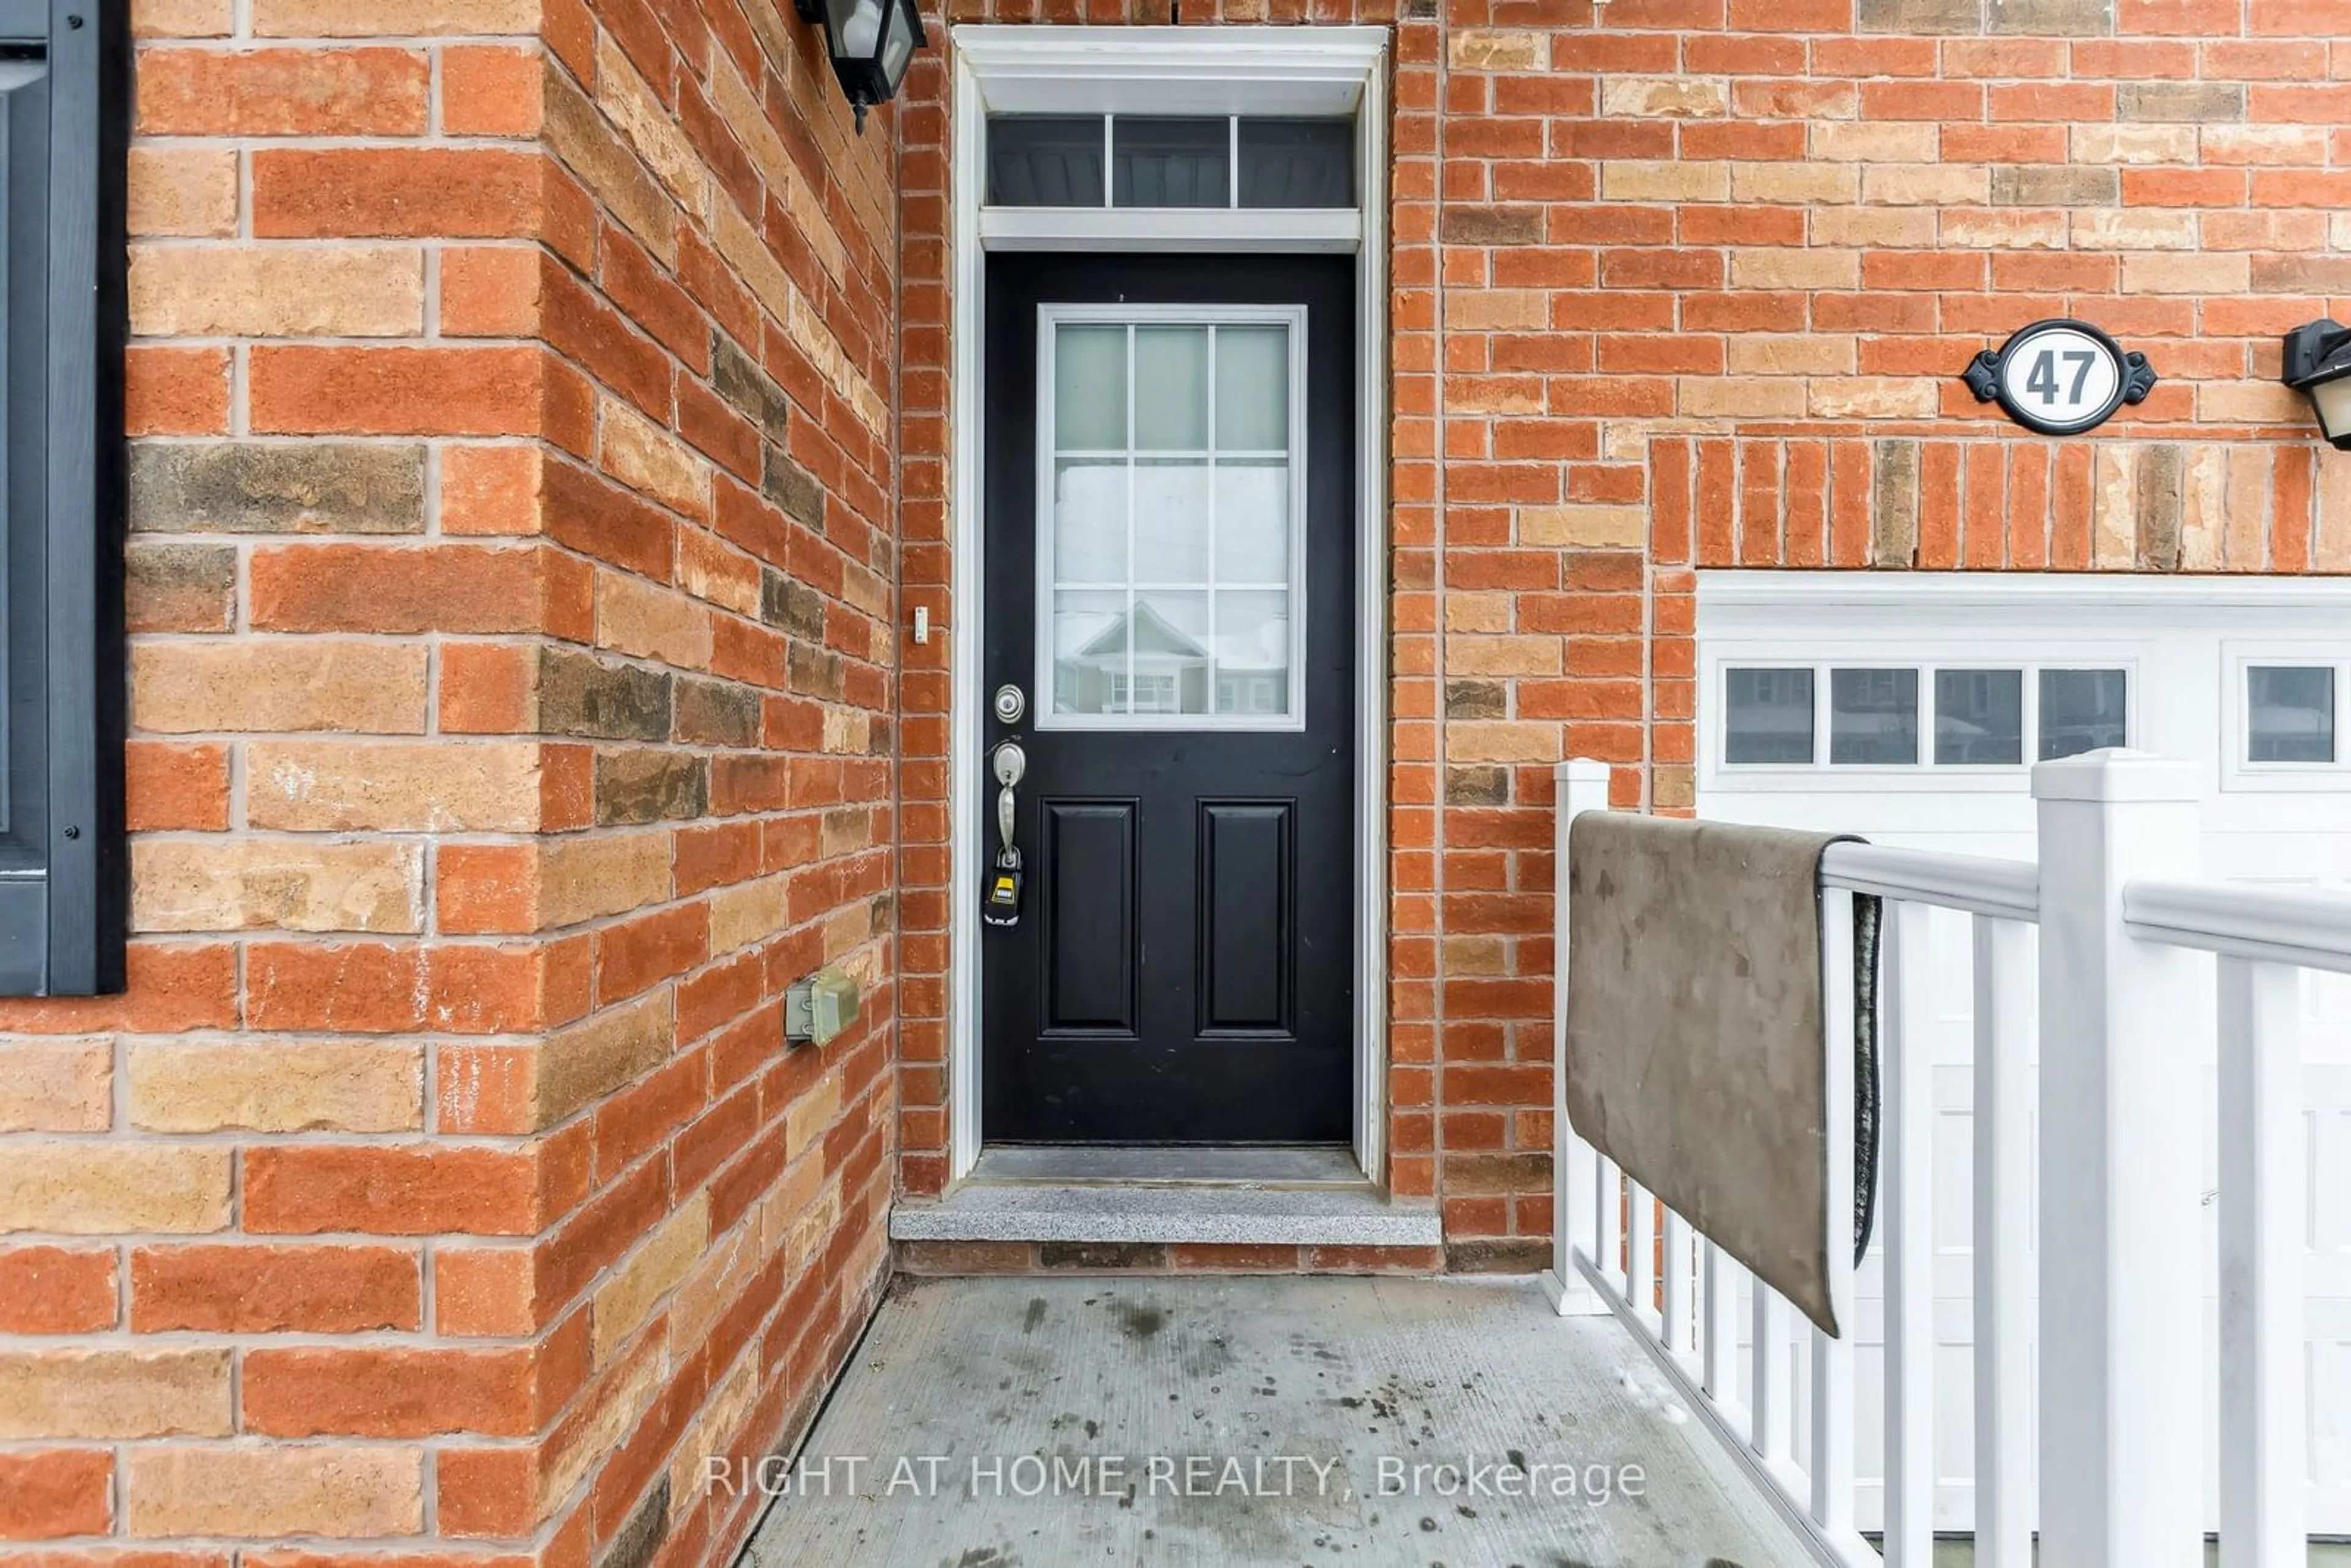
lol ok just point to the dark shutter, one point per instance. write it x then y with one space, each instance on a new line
63 135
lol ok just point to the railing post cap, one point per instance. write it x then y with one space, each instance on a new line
1580 771
2115 774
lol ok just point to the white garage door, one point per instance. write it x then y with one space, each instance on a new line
1909 709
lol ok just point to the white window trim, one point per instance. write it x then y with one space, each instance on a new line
2238 772
1744 600
1263 70
1272 70
1300 231
1051 320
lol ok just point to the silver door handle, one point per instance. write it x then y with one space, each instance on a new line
1011 765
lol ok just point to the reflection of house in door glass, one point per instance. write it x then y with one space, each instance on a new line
1160 657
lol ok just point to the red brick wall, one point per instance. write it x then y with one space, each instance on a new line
512 561
517 386
1684 283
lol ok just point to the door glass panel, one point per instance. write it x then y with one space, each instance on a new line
1171 389
2081 710
2291 713
1979 716
1252 520
1088 639
1090 389
1171 636
1171 520
1090 520
1252 389
1252 648
1168 555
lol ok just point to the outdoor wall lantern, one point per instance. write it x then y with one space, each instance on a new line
871 42
2318 366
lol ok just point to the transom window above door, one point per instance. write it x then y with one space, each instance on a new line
1168 161
1170 572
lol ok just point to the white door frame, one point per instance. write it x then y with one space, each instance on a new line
1169 70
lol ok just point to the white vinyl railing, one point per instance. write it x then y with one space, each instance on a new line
2117 929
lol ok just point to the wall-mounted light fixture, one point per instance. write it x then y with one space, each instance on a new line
871 42
2318 366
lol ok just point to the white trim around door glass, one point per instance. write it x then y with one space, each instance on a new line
1136 589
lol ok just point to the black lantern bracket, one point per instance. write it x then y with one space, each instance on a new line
2313 349
2317 364
1987 377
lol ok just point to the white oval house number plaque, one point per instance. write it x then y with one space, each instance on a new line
2060 377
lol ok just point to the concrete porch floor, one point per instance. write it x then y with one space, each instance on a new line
1327 1392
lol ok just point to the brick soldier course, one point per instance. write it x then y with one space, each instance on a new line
540 441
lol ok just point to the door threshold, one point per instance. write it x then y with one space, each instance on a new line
1145 1165
1215 1212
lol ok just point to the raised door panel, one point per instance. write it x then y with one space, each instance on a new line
1089 916
1248 913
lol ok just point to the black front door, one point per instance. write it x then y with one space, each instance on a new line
1170 589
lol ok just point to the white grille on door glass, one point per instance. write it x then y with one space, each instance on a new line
1167 555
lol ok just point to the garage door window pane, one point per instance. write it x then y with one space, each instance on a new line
2291 713
1873 716
2081 710
1979 716
1769 715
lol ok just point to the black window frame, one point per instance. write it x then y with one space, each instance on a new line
65 883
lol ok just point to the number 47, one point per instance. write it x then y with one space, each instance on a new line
2044 379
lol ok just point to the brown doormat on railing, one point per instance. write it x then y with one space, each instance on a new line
1695 1034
